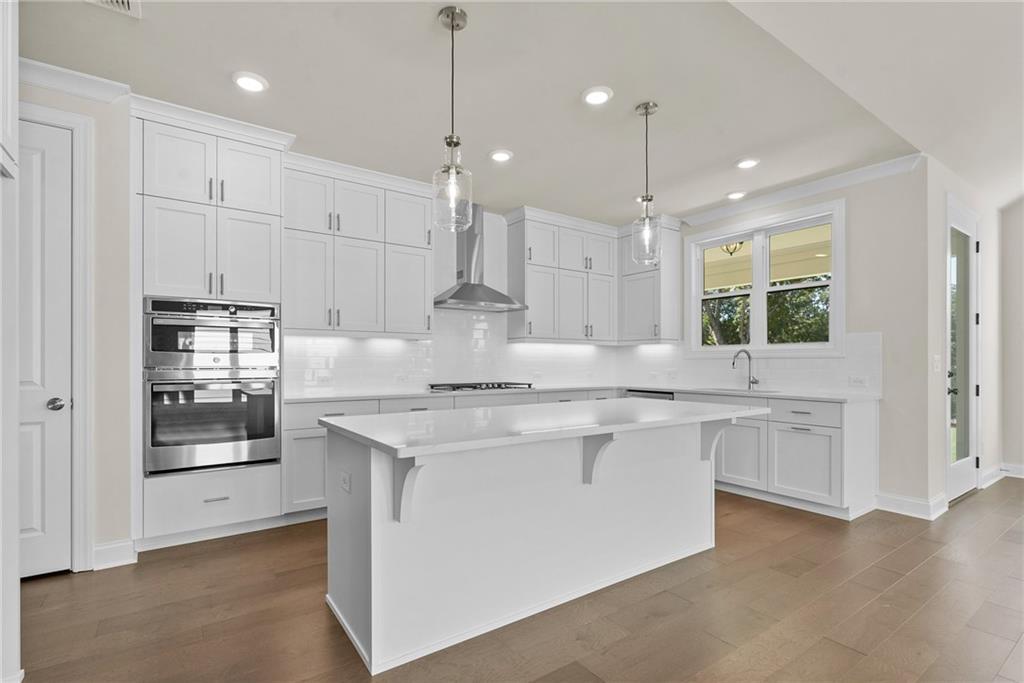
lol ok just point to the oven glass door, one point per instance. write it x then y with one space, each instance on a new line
219 422
175 342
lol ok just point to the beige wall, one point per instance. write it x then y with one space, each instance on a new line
1011 228
109 398
886 287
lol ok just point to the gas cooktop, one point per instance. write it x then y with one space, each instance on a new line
479 386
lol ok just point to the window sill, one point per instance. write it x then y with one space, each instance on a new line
767 352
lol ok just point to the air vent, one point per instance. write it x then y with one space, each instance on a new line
129 8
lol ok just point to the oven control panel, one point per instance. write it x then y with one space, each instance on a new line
210 308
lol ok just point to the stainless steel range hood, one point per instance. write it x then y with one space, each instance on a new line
470 293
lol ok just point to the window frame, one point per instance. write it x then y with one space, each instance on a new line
758 231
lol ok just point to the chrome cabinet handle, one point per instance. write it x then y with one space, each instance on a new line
209 282
55 403
801 429
222 191
333 414
209 188
655 329
216 500
222 283
529 253
417 410
329 316
337 317
565 400
800 412
337 221
330 221
428 237
529 327
428 322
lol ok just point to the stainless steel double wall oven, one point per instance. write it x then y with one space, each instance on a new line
212 375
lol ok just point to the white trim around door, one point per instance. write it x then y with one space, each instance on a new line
82 369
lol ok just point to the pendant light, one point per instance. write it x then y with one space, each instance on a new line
732 247
645 236
453 184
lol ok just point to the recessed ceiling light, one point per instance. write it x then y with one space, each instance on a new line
597 95
501 155
250 82
747 163
736 195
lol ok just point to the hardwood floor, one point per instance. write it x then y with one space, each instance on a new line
785 596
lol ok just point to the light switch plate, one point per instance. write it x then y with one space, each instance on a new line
346 482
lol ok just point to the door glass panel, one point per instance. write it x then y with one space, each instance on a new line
193 414
959 345
803 255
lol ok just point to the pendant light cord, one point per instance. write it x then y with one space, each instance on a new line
453 72
647 189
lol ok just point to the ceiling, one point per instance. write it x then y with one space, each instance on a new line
948 77
366 84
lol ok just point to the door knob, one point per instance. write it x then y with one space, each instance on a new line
55 403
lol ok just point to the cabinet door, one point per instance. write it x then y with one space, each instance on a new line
542 299
9 79
638 312
308 202
303 469
359 211
572 249
541 244
307 280
407 220
178 163
572 305
248 256
806 462
601 254
250 177
179 245
742 455
601 307
358 285
410 286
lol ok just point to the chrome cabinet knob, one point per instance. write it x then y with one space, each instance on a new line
55 403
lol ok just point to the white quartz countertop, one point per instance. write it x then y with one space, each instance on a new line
406 435
795 394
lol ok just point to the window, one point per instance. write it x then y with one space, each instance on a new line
772 286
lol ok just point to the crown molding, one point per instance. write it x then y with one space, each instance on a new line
355 174
857 176
42 75
213 124
542 216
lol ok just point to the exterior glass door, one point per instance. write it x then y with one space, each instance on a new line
962 470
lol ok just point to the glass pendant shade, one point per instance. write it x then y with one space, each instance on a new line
645 239
453 192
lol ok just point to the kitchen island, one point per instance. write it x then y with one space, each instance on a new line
444 525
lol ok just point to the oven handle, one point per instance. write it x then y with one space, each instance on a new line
211 386
216 322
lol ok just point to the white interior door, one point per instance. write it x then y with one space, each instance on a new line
44 328
961 335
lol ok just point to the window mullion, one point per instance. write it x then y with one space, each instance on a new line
758 294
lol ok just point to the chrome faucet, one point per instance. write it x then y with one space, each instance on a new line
751 380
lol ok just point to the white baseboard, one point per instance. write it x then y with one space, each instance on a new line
913 507
847 514
1012 470
143 544
113 554
990 476
16 677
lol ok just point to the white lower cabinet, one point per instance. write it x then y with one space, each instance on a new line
174 503
742 455
415 405
304 463
806 462
513 399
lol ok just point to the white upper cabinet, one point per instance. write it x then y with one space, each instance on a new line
179 244
572 249
248 256
638 309
307 280
542 293
359 285
307 202
541 244
572 305
179 163
601 307
250 177
407 220
410 280
602 254
8 82
358 211
627 266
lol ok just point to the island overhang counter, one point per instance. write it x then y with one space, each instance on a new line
443 525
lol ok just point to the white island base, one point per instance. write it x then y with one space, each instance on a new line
432 541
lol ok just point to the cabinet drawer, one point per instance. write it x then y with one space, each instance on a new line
727 399
406 405
806 412
305 415
183 502
562 396
602 394
494 400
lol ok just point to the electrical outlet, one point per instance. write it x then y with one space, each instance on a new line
346 482
857 381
